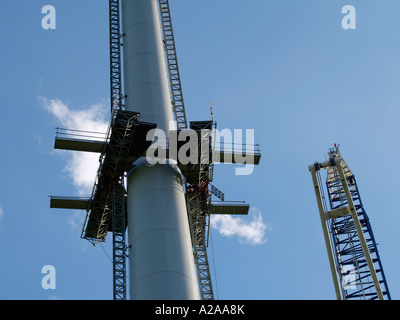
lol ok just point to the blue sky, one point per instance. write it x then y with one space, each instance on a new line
286 69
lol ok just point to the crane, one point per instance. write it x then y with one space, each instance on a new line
355 263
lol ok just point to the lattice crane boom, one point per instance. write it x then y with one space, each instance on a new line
352 251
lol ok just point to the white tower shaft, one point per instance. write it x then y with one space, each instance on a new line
160 257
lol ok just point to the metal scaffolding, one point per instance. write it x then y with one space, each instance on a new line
124 142
198 199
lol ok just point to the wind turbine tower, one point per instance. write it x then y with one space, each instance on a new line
165 206
157 219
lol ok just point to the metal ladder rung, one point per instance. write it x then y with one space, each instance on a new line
172 63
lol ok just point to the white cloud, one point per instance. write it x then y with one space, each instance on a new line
1 213
248 232
76 220
91 119
81 166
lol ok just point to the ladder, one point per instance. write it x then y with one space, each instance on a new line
353 271
115 53
198 217
178 105
118 197
119 244
197 207
198 200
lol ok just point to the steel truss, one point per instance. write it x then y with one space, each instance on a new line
172 63
124 142
198 218
353 269
118 197
119 241
352 251
113 165
115 53
198 199
108 196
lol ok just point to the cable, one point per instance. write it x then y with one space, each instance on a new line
101 244
215 270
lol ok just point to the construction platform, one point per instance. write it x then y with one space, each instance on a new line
126 140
